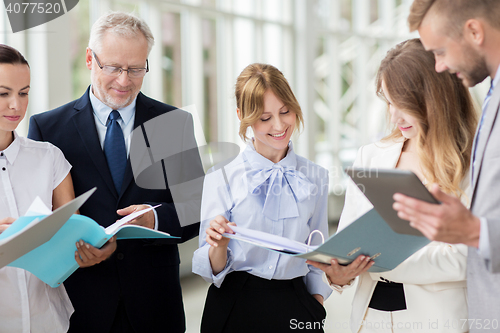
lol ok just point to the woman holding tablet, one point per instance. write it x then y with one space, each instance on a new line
269 188
434 123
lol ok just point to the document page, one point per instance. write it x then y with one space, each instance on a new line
112 229
266 240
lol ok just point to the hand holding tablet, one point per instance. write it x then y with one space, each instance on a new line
380 185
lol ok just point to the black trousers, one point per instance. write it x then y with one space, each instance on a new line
247 303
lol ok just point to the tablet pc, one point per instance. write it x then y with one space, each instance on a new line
379 186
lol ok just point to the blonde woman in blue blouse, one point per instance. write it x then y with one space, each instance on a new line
268 188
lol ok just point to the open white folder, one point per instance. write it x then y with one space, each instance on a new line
369 235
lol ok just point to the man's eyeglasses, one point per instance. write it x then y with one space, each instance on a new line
117 71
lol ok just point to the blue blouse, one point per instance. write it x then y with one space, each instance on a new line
287 199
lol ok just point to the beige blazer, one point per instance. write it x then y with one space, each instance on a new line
433 278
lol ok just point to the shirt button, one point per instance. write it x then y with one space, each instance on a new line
270 267
120 256
1 154
4 169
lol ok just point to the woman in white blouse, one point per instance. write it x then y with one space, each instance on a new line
434 124
29 169
267 187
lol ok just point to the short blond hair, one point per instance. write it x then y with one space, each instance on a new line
456 12
253 82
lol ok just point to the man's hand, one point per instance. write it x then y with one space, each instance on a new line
146 220
86 255
342 275
5 223
449 222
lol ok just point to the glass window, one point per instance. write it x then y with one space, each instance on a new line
272 10
171 59
80 32
245 7
209 3
244 43
273 45
209 41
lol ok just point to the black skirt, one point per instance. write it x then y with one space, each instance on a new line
247 303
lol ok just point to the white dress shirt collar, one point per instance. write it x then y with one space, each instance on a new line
12 150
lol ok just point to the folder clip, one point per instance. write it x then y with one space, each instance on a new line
353 251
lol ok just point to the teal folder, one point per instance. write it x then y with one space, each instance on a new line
20 238
54 260
368 235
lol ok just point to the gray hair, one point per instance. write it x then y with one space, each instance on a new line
122 24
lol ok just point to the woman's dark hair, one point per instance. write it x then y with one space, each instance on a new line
9 55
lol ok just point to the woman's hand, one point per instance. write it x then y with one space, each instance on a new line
218 226
342 275
218 244
5 223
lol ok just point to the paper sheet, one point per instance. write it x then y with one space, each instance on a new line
266 240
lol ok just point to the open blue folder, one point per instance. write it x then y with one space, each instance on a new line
54 260
368 235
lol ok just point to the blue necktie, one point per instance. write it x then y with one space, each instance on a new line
114 149
485 106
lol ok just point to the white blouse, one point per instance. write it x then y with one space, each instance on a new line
29 169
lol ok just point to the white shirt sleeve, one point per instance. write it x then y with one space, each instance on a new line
484 243
61 166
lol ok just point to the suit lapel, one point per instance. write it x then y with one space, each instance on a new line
480 141
85 124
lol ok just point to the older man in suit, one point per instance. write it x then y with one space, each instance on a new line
137 288
464 36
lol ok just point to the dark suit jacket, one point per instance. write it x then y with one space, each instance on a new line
144 275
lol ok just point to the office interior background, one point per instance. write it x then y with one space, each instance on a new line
329 50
